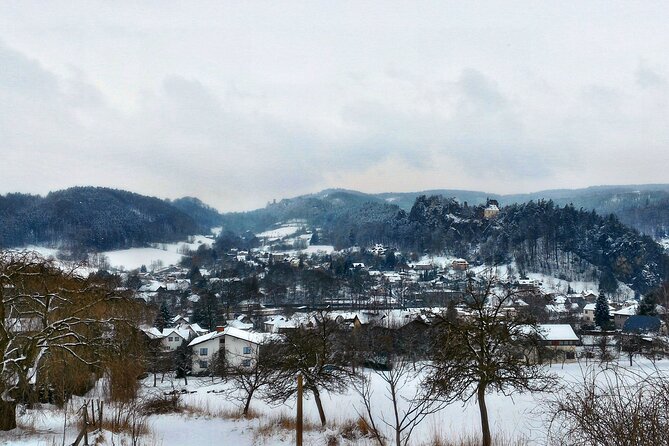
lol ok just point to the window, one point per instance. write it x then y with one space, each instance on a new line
247 350
203 364
169 339
204 351
246 363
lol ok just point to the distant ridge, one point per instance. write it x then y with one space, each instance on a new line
98 218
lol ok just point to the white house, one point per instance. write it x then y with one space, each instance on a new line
560 338
241 346
620 316
589 313
204 348
174 337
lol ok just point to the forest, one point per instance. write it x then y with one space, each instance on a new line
97 219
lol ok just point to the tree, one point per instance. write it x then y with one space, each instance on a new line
409 405
183 360
164 316
44 310
315 354
602 315
250 379
611 407
484 351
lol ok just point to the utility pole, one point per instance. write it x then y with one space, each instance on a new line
298 422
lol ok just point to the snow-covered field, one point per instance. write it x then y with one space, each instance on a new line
278 233
160 254
208 420
164 254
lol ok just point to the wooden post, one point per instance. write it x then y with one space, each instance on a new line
86 423
298 422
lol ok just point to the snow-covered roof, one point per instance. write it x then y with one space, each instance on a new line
250 336
591 307
151 332
557 332
197 329
207 337
281 322
184 333
627 311
240 324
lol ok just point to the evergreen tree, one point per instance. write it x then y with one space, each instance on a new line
164 317
602 316
647 306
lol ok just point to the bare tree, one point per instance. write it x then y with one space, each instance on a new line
316 354
410 404
611 407
249 380
44 309
485 351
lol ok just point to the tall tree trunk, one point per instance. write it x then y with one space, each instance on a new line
7 415
485 425
248 403
319 405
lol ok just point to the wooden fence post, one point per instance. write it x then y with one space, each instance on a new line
298 422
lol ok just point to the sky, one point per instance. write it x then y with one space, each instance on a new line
239 103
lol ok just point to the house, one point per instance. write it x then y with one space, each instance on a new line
490 211
242 347
460 265
622 315
205 348
588 314
241 322
589 295
172 338
279 324
560 339
423 266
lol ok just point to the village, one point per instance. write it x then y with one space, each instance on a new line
220 319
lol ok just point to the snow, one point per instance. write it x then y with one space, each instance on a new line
209 421
206 337
665 243
164 253
250 336
557 332
283 231
136 257
43 251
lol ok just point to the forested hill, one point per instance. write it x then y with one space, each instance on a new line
644 207
533 234
322 209
97 218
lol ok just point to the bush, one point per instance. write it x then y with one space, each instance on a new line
162 404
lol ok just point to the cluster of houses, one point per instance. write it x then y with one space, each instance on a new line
394 298
239 342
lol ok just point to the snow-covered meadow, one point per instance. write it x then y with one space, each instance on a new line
209 415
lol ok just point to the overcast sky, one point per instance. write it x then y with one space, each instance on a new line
239 103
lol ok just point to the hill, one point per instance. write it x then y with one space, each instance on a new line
537 235
97 218
643 207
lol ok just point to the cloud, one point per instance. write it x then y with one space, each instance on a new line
647 78
241 104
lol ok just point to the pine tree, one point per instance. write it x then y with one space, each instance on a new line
647 306
602 316
163 317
